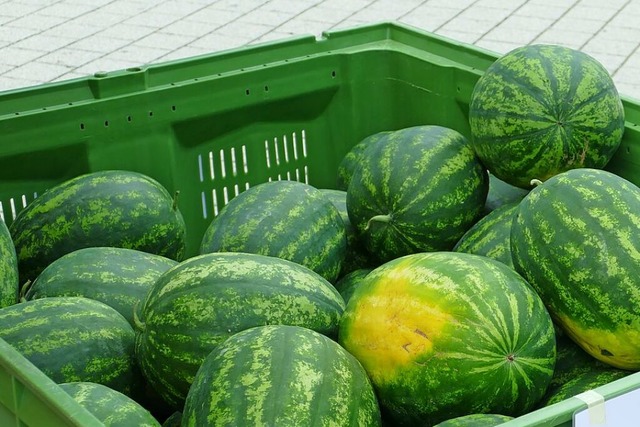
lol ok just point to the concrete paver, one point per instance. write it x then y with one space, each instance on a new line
53 40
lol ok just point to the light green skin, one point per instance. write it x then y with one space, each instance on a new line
74 339
109 406
352 160
118 277
464 328
542 109
204 300
476 420
285 219
491 236
281 376
107 208
575 239
9 285
418 190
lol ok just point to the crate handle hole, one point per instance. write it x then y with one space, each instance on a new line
266 88
106 123
173 108
129 118
82 126
247 91
150 113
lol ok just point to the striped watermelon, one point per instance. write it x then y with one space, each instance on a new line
74 339
196 305
107 208
418 189
111 407
356 256
476 420
174 420
491 236
281 376
543 109
119 277
575 239
351 161
9 284
286 219
447 334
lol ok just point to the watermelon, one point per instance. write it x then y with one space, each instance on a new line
9 282
575 239
119 277
491 236
447 334
356 256
111 407
476 420
583 382
543 109
351 161
74 339
286 219
348 283
501 193
205 299
280 375
418 190
106 208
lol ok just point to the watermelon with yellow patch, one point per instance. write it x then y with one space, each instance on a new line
575 239
447 334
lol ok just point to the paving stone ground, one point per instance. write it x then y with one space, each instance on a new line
51 40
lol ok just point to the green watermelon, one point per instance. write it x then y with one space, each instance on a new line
476 420
491 236
111 407
204 300
118 277
107 208
349 282
446 334
351 161
286 219
418 190
281 376
543 109
501 193
575 239
74 339
356 256
9 282
583 382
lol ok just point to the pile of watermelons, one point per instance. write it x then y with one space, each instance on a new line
444 280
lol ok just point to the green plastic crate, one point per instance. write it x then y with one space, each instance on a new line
212 125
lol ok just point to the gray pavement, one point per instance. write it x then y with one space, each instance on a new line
52 40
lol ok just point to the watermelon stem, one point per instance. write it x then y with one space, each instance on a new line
378 218
139 324
174 205
535 182
24 289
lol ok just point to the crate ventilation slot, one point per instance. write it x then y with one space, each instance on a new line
16 204
232 164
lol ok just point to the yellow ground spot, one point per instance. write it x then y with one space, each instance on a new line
391 328
620 349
